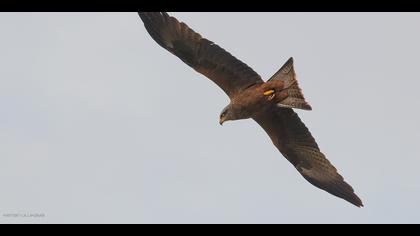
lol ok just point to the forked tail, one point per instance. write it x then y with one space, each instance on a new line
295 98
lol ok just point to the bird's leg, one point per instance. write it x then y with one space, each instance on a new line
270 93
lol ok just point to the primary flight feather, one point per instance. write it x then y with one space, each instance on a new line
269 103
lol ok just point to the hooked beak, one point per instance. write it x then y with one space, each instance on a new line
222 120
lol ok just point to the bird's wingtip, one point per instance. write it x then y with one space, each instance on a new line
357 201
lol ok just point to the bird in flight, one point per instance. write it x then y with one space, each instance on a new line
269 103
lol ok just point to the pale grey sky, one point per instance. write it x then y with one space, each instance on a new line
99 124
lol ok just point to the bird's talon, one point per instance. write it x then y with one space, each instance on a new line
269 92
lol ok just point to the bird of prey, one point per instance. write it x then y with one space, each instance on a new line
269 103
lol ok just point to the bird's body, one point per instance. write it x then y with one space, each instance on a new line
269 103
252 102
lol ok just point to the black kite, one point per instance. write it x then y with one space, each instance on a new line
269 104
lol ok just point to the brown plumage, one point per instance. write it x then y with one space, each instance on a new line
269 104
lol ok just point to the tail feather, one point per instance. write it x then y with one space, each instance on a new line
295 98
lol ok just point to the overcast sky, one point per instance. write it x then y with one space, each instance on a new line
99 124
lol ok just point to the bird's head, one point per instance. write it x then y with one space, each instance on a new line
225 115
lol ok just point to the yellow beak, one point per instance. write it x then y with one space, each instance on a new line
222 120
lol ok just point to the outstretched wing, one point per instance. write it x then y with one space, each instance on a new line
203 55
290 135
